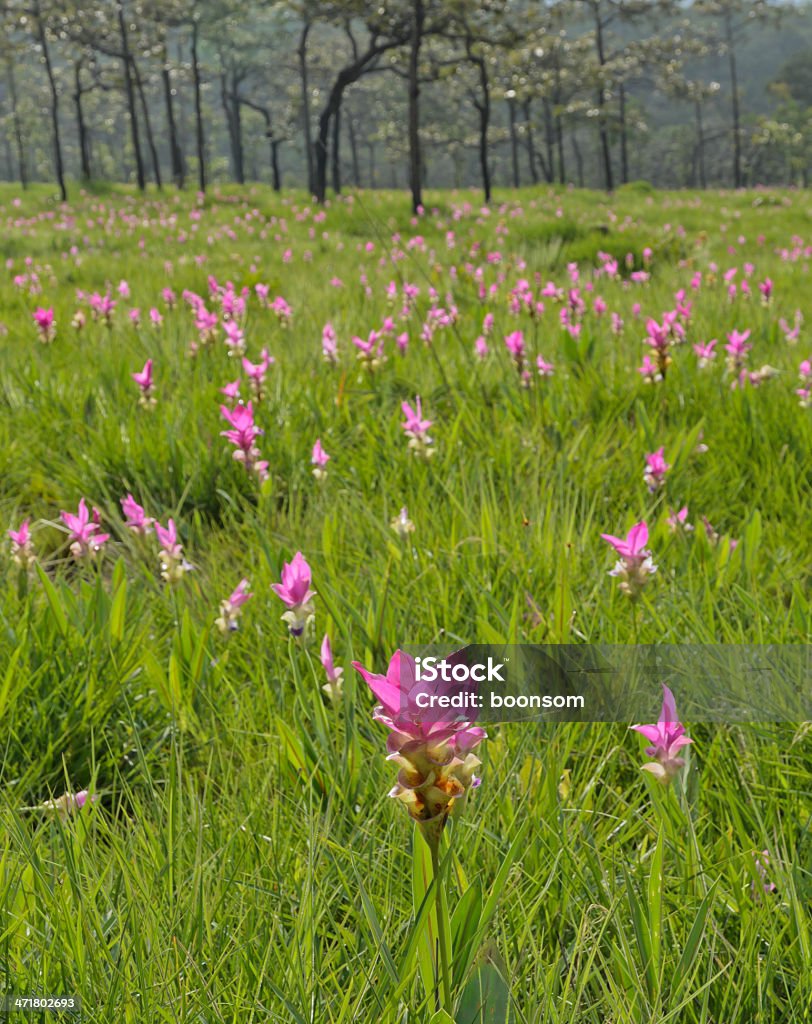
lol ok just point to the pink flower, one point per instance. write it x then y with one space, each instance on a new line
514 343
243 434
296 593
635 564
231 390
255 372
737 348
481 347
329 347
706 353
678 521
545 369
416 429
46 324
333 685
86 541
667 738
143 378
135 518
231 607
173 564
319 460
656 468
432 749
22 548
649 370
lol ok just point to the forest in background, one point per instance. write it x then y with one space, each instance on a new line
406 93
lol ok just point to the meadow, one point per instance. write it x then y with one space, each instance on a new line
446 415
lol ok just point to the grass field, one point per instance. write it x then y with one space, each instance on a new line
237 859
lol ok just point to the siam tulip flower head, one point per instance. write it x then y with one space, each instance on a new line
481 347
635 564
319 459
295 591
545 369
134 516
333 685
46 323
433 749
678 521
243 436
86 541
706 353
417 429
656 468
231 608
649 370
514 343
329 347
173 564
69 804
667 737
402 524
231 390
762 865
22 547
143 378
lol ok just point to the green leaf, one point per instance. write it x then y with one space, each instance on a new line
655 900
464 927
485 999
441 1017
425 908
691 947
55 604
118 611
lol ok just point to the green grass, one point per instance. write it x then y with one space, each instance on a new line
242 862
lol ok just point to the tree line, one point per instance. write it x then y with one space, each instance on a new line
392 92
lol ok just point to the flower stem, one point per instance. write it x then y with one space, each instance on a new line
442 931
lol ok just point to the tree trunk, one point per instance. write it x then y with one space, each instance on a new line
700 143
415 170
153 152
84 150
336 154
549 141
18 129
356 166
529 142
601 97
579 160
483 107
624 153
57 141
130 92
734 100
308 141
514 141
174 146
277 179
200 140
559 127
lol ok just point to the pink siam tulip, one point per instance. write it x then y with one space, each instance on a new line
678 521
737 348
282 310
667 737
255 372
656 468
296 593
135 518
481 347
68 804
235 338
514 343
102 307
649 370
402 524
333 685
243 435
22 547
173 564
544 368
86 541
329 347
705 353
762 864
766 289
417 429
804 392
433 749
370 352
635 564
143 378
659 339
319 459
231 608
46 324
